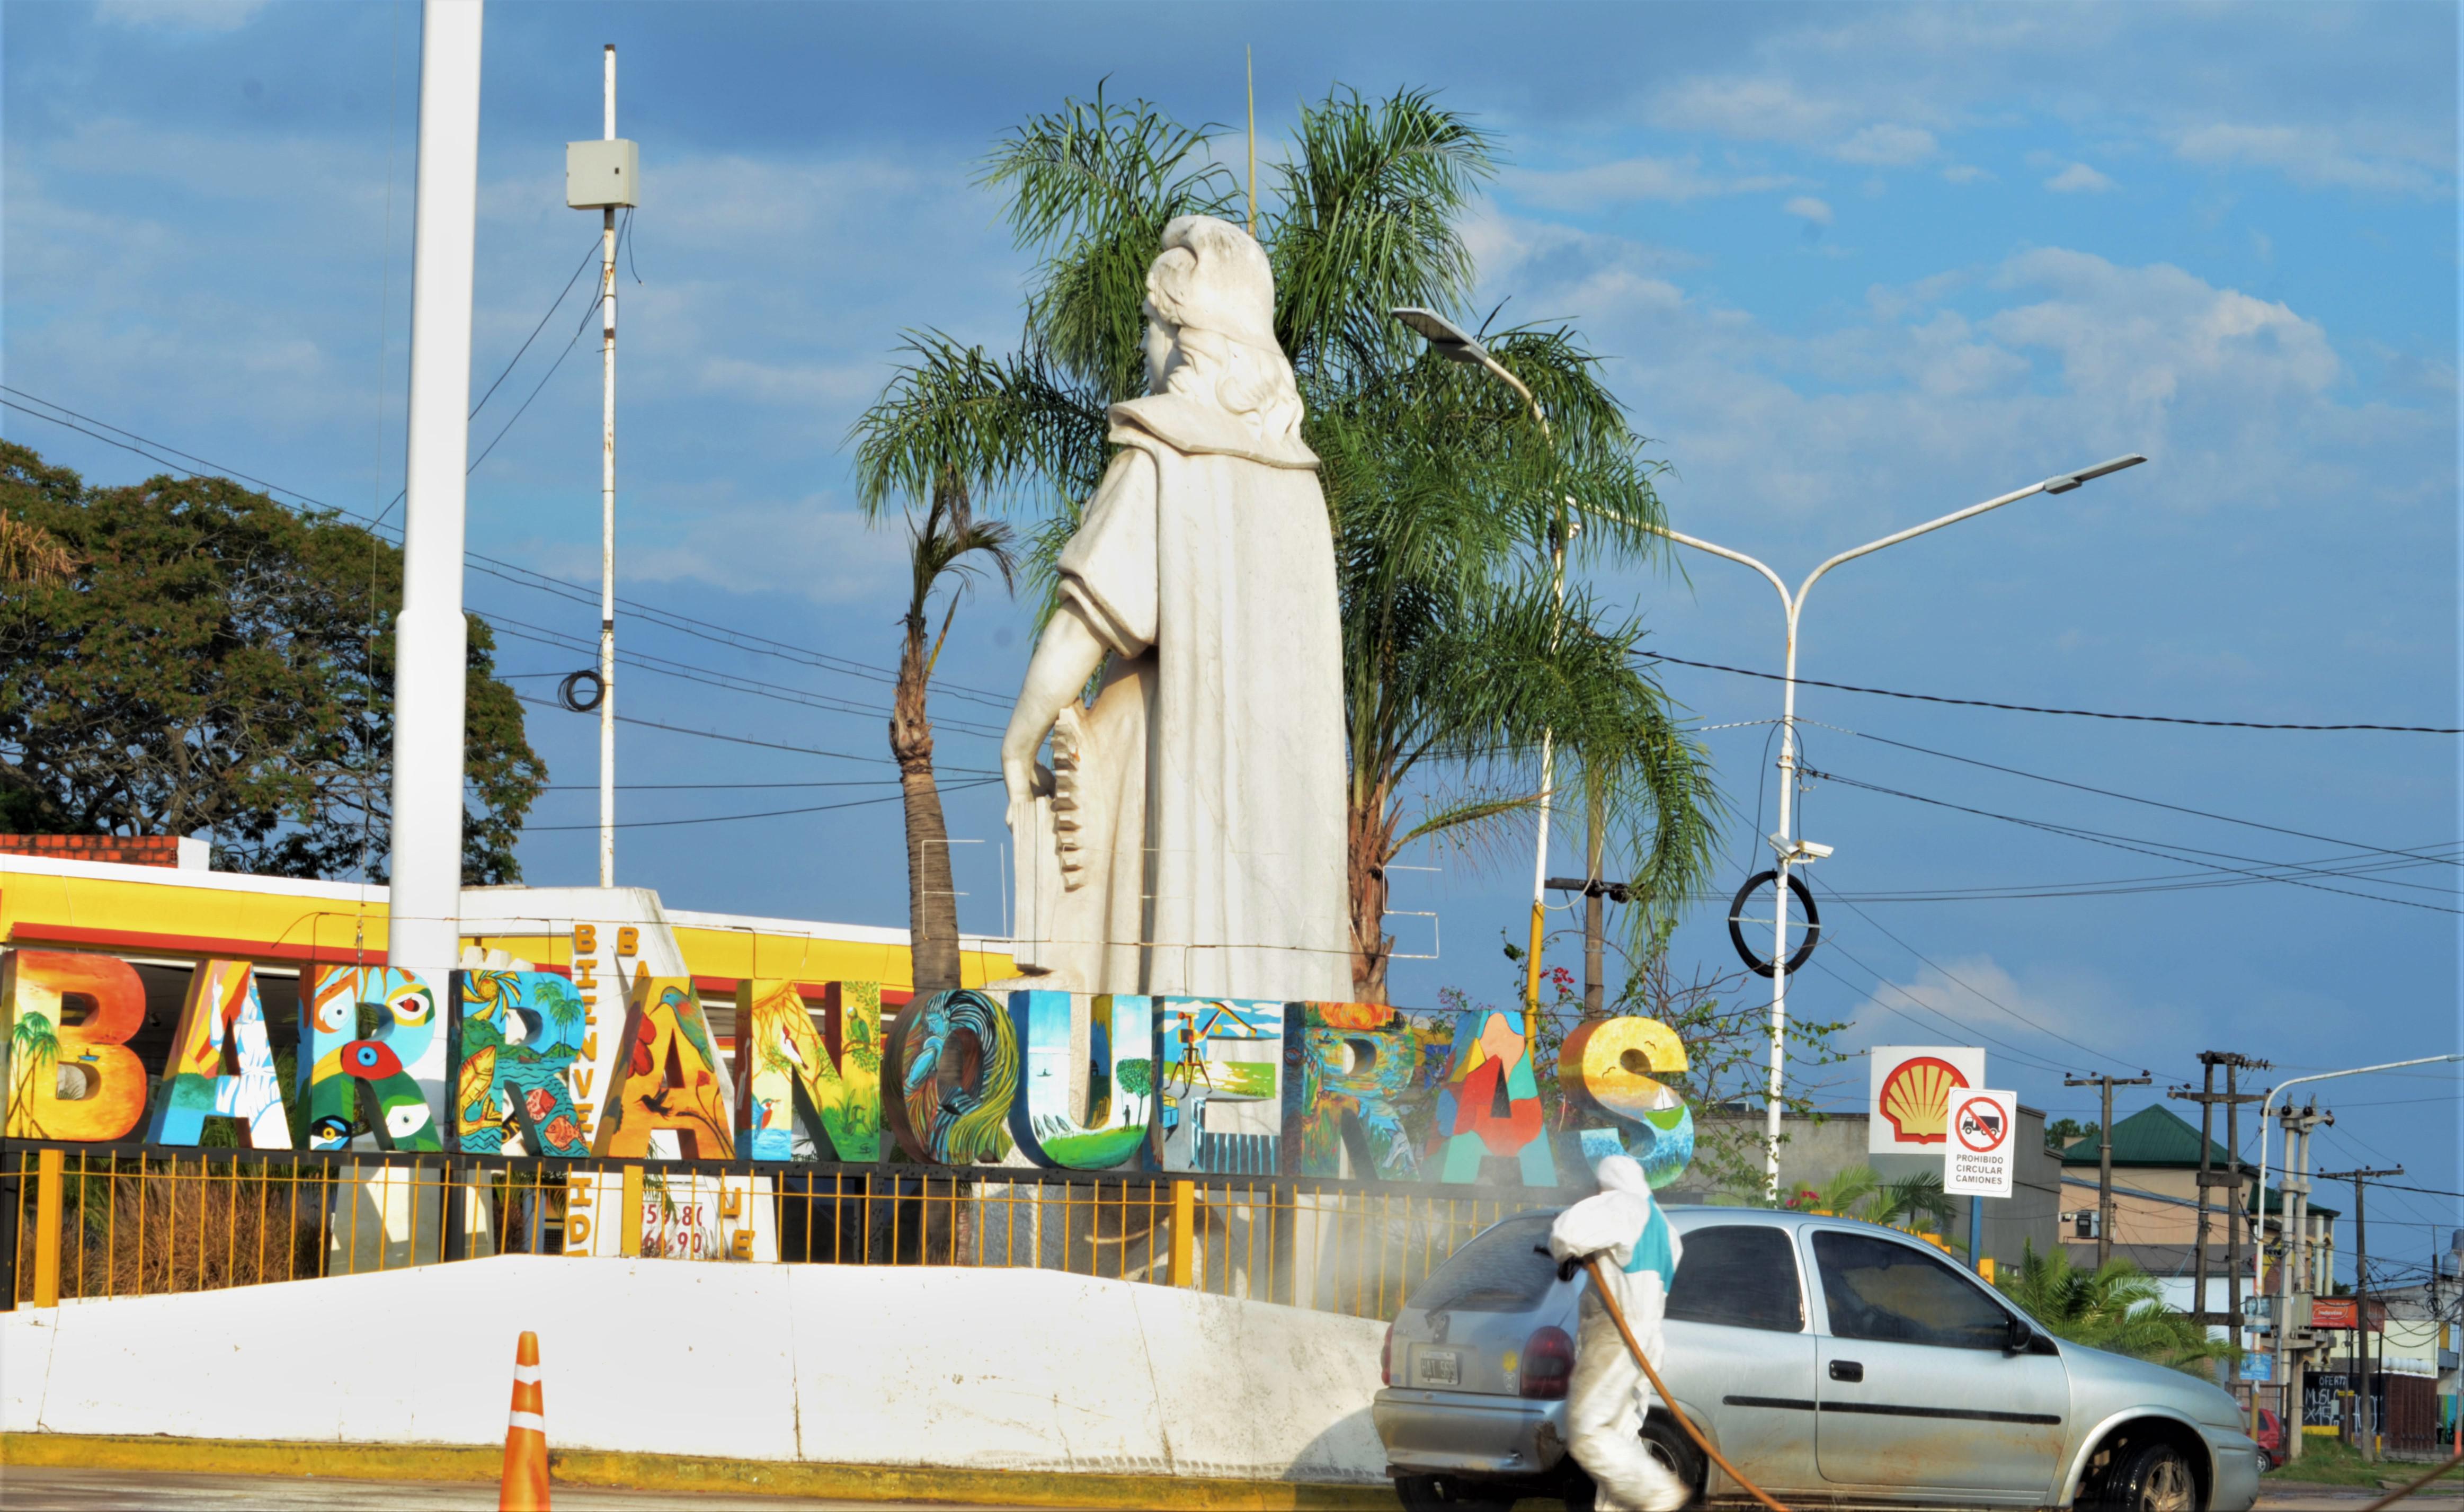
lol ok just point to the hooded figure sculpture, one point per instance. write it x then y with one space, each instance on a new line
1608 1398
1189 835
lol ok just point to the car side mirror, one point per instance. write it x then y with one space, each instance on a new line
2021 1336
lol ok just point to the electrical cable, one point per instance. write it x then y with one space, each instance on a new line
2128 798
1972 990
2099 837
2032 708
511 572
776 813
536 329
748 740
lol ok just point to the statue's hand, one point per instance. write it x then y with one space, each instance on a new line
1027 780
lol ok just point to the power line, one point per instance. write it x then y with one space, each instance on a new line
2031 709
511 572
748 740
1967 987
2098 837
776 813
680 787
2128 798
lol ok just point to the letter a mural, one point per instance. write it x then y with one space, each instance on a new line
1490 1103
221 1064
666 1076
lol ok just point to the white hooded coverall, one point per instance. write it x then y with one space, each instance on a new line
1609 1395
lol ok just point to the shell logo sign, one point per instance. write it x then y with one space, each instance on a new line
1912 1087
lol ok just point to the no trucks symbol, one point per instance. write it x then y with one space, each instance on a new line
1981 1125
1978 1161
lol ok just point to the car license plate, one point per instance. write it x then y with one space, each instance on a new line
1440 1368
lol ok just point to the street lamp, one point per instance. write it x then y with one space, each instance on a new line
1455 345
1790 849
2283 1320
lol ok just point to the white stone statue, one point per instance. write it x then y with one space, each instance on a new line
1189 836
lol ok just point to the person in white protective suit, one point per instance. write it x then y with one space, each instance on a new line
1609 1395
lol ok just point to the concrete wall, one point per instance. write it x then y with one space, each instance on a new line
1011 1370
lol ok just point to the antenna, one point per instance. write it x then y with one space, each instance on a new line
1251 54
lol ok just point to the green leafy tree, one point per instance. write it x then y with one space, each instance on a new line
207 664
1446 497
2116 1306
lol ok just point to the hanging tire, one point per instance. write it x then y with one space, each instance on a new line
1754 962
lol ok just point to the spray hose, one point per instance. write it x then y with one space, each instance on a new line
1602 1289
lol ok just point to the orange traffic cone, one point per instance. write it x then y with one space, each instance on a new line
524 1487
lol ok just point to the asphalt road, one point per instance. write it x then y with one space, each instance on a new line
43 1489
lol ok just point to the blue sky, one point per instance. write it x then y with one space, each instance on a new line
1855 266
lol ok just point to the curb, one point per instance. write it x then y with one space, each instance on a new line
590 1467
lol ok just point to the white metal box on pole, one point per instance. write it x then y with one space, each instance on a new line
603 175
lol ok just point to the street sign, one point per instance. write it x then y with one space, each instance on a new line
1913 1085
1981 1151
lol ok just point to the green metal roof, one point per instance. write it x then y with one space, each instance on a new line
2153 1137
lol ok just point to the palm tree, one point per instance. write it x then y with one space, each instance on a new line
2116 1306
1445 496
941 547
36 1047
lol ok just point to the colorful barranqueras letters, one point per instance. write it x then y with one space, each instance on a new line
221 1064
803 1090
73 1078
1213 1085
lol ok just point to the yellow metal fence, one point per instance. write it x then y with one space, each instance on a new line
97 1222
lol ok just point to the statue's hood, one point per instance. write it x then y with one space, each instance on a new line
1203 429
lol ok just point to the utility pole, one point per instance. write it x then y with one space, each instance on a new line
605 176
2205 1098
2294 1290
2104 1156
2364 1420
1596 895
608 506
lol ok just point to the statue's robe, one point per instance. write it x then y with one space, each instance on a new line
1199 846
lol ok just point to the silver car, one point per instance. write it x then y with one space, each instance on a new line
1829 1360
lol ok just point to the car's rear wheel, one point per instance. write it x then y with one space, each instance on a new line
1665 1441
1449 1493
2153 1478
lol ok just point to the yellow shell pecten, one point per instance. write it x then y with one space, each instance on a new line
1917 1099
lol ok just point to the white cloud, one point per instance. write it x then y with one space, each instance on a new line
2078 179
1887 144
1672 180
1974 999
179 15
1966 173
1810 207
2308 156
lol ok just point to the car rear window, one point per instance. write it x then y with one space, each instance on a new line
1743 1274
1496 1272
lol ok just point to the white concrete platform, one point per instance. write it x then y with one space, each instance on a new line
993 1370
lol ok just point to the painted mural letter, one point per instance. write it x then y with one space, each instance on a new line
666 1076
67 1016
952 1064
221 1064
801 1091
1606 1070
1490 1103
1120 1094
515 1035
1349 1069
401 1063
1222 1085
